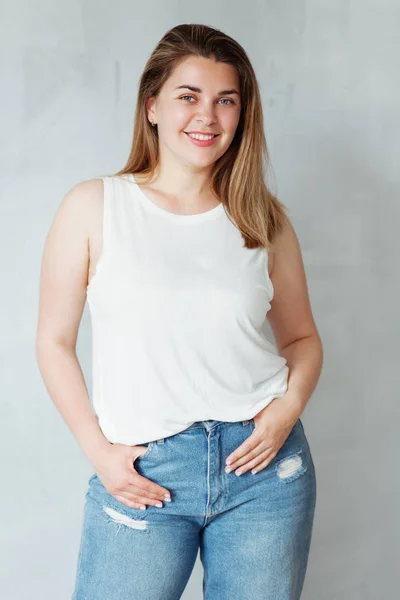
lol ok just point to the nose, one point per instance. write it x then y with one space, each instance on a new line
206 122
206 116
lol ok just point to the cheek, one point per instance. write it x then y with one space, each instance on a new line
174 118
180 115
233 122
229 123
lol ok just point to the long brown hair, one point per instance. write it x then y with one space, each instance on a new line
239 176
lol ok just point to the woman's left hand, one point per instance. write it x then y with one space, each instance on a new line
273 425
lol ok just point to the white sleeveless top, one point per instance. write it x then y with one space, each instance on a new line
177 306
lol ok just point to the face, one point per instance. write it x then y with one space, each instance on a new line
213 107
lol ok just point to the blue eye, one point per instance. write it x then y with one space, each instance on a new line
189 96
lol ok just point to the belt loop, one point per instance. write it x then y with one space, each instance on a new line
160 441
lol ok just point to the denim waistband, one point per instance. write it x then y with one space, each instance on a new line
208 425
211 424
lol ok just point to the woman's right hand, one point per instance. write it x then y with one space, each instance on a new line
115 468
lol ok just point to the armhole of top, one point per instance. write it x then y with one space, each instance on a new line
105 233
270 284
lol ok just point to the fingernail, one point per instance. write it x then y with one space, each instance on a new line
239 472
228 462
167 498
228 469
159 504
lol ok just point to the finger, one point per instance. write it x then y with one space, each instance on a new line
261 461
242 450
134 488
149 487
134 502
251 453
261 456
127 502
263 464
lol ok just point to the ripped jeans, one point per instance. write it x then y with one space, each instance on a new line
253 531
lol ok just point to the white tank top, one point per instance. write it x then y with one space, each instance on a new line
177 306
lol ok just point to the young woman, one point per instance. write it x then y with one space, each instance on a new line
179 255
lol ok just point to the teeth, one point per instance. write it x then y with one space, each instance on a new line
198 136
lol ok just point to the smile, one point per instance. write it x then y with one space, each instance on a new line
201 140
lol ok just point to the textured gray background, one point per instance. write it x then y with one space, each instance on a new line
329 76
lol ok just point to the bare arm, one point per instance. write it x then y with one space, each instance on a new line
292 322
63 280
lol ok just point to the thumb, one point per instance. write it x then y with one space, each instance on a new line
138 451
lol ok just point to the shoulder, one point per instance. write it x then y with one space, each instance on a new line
67 240
85 195
82 204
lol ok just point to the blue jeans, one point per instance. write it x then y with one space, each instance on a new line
253 531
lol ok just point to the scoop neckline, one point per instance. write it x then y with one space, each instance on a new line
212 213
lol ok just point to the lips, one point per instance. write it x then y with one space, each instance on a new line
196 132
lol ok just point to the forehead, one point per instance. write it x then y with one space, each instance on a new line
205 73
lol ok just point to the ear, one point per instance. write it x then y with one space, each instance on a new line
151 108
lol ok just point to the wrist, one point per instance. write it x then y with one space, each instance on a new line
293 406
95 446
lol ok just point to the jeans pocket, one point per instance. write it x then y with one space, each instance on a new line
150 446
250 424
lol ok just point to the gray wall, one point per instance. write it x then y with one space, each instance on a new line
329 78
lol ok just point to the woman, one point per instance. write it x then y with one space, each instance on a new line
179 255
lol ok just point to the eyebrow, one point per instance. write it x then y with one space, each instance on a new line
198 90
